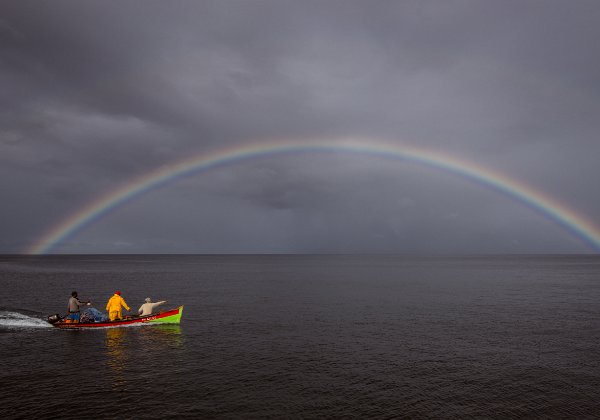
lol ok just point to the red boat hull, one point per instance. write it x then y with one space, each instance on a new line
169 317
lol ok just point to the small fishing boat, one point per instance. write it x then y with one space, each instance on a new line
172 316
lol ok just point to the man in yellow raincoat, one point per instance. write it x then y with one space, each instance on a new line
114 307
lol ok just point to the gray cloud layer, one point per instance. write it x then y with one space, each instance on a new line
94 93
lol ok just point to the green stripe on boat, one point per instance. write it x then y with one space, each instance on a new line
170 319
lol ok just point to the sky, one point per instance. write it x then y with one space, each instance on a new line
95 94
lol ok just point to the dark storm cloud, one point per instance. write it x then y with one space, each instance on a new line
94 93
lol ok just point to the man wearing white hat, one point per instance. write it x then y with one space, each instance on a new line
148 307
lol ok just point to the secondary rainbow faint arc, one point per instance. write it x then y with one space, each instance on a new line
576 224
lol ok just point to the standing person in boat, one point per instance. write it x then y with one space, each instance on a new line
74 308
114 306
148 307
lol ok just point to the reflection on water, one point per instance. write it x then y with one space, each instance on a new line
137 349
117 355
157 336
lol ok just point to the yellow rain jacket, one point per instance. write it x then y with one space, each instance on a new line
114 307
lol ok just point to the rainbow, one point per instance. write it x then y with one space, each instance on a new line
567 218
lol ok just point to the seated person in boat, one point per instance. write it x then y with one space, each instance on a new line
114 306
91 315
74 308
148 307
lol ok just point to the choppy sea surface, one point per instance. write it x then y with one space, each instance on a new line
280 336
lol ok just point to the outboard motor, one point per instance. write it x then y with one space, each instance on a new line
53 319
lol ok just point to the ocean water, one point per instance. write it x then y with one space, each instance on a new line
334 336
